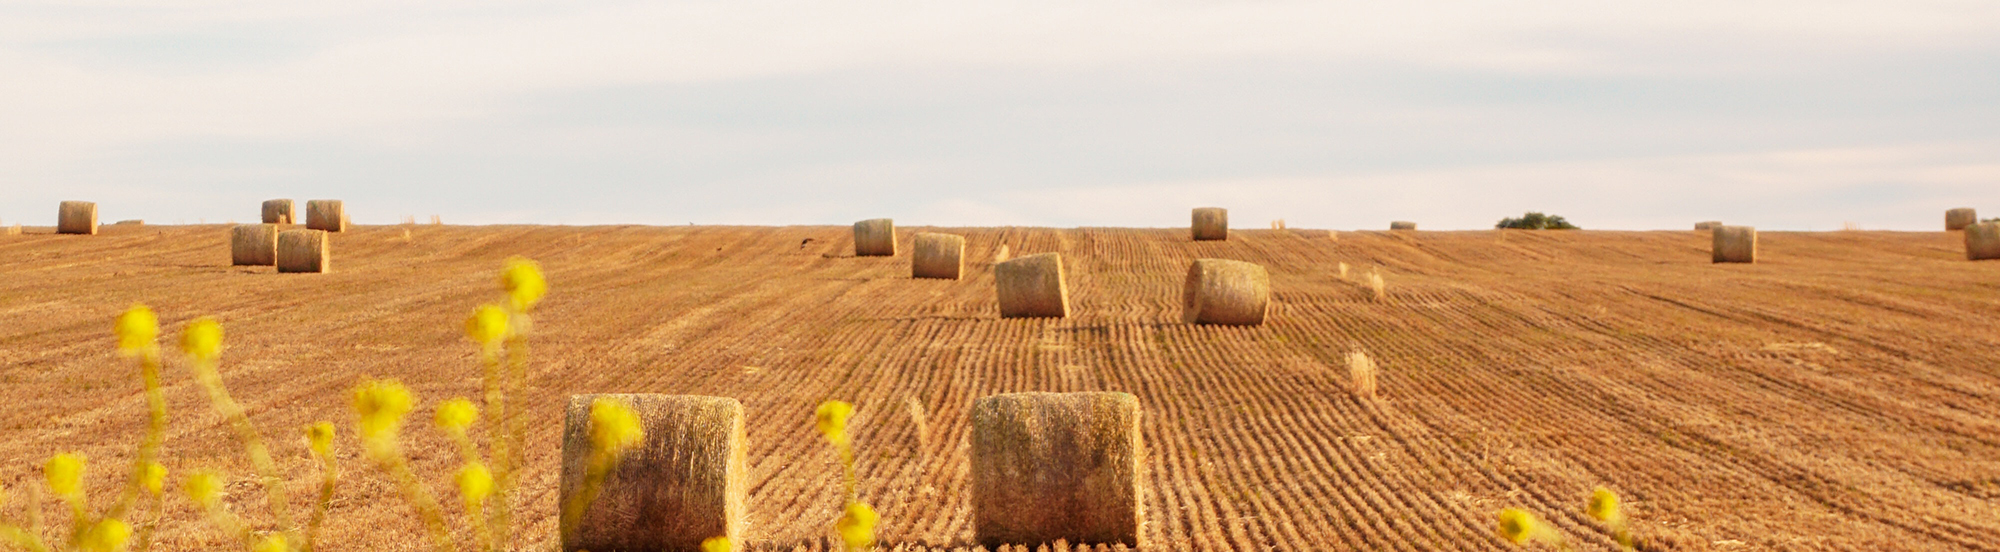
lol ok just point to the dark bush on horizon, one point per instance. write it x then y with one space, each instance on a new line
1536 221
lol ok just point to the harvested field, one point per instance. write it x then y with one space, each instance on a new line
1843 393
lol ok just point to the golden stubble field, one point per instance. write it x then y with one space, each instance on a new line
1840 394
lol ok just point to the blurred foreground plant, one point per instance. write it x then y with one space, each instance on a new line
857 520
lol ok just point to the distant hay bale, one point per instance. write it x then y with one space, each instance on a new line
1982 241
1057 466
937 256
1210 223
280 211
303 251
130 222
1001 255
14 230
77 217
1219 291
875 238
1708 225
1735 244
253 245
326 214
1402 225
685 483
1361 372
1958 219
1032 286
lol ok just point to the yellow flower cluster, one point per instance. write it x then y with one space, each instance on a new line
137 330
1518 526
831 417
65 475
614 427
204 488
381 405
107 535
487 326
475 484
319 436
203 339
524 284
717 544
153 478
857 526
456 415
274 542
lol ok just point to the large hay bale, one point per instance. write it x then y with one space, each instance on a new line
1708 225
875 238
1032 286
280 211
1050 466
1210 223
686 482
1402 225
303 251
77 217
253 245
937 256
1982 241
326 214
1219 291
1958 219
1735 244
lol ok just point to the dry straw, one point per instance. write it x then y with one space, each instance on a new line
77 217
937 256
875 238
1032 286
1958 219
1361 372
326 214
14 230
280 211
1210 223
1001 255
1708 225
1982 241
303 251
253 245
1735 244
685 483
1219 291
1057 466
1402 225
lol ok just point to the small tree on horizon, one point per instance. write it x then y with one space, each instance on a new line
1536 221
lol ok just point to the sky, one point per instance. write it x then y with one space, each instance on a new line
1616 114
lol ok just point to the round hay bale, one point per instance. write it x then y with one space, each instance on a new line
77 217
1708 225
1402 225
875 238
1735 244
685 483
326 214
280 211
937 256
1958 219
1982 241
303 251
1032 286
1211 223
253 245
1221 291
14 230
1057 466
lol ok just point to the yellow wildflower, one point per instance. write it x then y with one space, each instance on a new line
204 488
65 474
475 483
202 339
1518 526
487 326
274 542
319 436
1604 506
456 415
108 535
153 478
857 526
381 406
717 544
832 417
523 280
614 427
137 329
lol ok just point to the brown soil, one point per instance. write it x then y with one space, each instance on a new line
1842 393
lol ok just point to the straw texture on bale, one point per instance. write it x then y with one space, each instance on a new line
14 230
1221 291
1735 244
1211 223
280 211
1708 225
77 217
1982 241
326 214
1032 286
253 245
1057 466
937 256
686 482
1958 219
303 251
875 238
1402 225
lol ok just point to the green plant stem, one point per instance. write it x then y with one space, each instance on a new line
498 519
329 478
146 531
509 458
156 428
594 473
390 460
253 444
23 538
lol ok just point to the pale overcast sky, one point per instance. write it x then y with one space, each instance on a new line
1789 114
